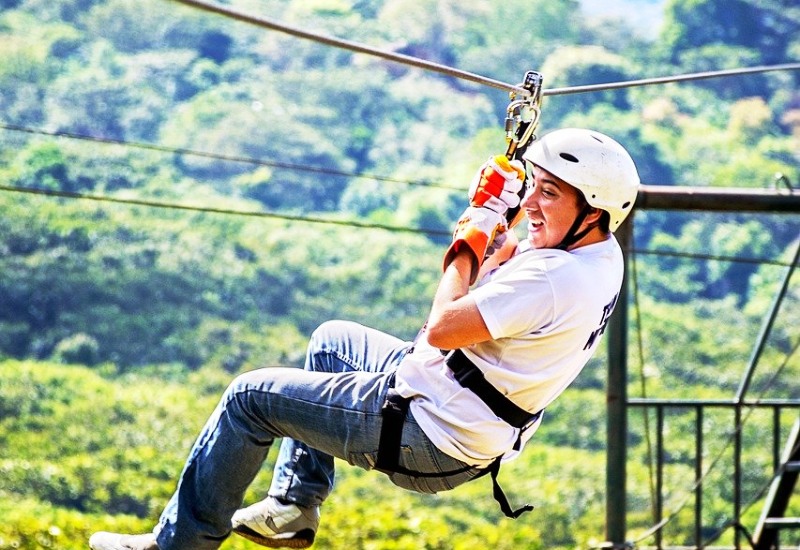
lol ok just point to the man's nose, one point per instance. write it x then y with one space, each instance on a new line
528 201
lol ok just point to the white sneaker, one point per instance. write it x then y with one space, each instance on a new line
275 525
113 541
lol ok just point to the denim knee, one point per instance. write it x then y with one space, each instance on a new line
325 333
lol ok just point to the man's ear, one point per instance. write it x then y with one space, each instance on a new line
593 215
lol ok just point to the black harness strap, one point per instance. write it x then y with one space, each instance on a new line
394 412
395 409
472 378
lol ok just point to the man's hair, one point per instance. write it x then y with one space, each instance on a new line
604 223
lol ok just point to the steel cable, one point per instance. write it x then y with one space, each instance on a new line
465 75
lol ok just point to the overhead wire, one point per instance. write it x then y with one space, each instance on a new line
300 168
320 220
218 156
710 257
215 210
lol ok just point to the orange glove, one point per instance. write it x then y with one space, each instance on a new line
476 229
497 184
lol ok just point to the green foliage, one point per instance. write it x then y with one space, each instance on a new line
141 292
767 27
70 475
583 65
160 307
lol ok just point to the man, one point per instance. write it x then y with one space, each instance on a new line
445 409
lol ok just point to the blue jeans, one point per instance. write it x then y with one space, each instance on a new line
330 409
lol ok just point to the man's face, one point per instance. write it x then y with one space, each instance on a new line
551 206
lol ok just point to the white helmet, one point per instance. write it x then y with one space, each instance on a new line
592 162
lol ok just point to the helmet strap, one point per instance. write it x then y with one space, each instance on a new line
573 235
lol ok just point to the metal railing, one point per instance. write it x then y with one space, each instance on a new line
770 442
619 405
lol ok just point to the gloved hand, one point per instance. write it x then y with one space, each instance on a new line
497 183
476 229
497 243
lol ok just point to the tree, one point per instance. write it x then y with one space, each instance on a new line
725 34
627 128
102 97
583 65
248 123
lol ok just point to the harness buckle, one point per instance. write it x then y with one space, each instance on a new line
394 404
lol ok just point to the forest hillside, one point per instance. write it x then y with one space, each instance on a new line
185 197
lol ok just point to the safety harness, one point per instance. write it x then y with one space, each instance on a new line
395 409
522 119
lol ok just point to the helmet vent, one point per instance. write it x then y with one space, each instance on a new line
626 205
568 157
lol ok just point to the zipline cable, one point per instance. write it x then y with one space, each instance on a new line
465 75
670 79
350 45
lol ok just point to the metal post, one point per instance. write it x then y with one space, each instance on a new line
659 474
616 404
698 476
659 197
737 474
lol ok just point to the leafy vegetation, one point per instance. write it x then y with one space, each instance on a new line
122 320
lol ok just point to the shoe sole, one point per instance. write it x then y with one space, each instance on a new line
301 539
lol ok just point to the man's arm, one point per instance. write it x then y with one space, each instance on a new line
455 320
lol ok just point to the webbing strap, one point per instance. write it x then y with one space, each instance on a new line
394 414
394 411
472 378
500 496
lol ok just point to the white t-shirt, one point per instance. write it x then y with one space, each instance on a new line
546 311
